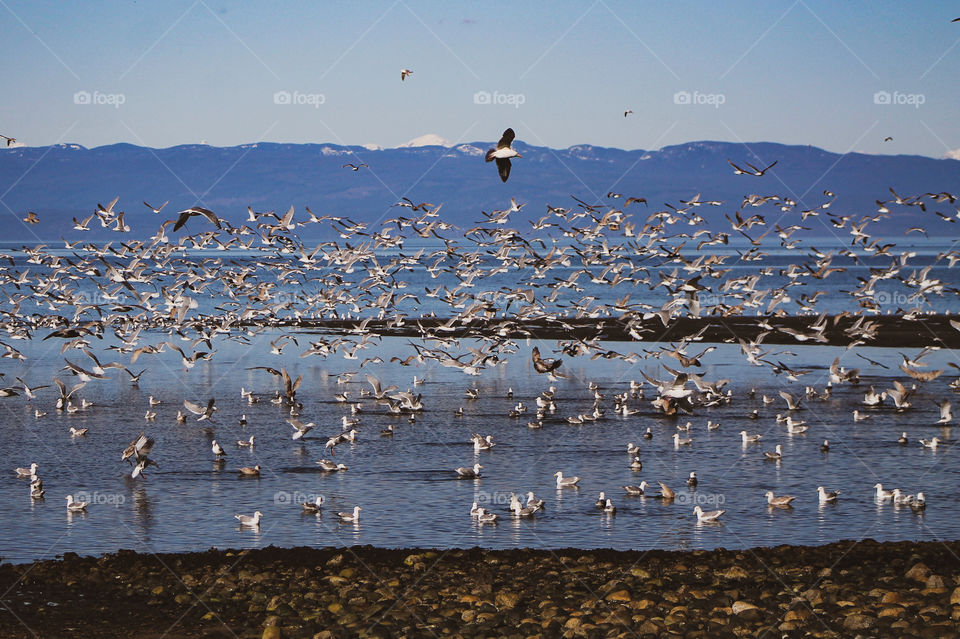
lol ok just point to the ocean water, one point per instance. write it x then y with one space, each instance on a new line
406 484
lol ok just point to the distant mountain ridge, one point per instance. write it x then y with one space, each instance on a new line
67 180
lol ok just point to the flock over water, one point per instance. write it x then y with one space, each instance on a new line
408 382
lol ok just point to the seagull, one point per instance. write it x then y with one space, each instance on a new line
776 455
533 502
946 416
246 443
404 73
465 472
76 506
565 482
636 464
750 439
707 516
503 153
350 516
692 479
931 443
252 521
677 441
12 141
781 502
250 472
825 446
601 500
608 507
194 211
827 496
27 472
882 494
329 466
300 429
903 441
217 449
78 432
543 365
313 506
635 490
484 517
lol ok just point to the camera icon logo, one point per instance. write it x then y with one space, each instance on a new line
481 97
81 97
881 97
282 97
681 97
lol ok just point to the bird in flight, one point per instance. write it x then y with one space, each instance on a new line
354 167
627 112
888 139
404 73
196 210
10 141
503 153
754 170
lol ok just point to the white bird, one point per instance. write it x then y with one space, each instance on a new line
632 449
946 416
636 490
351 516
486 518
750 439
565 482
931 443
636 464
677 441
778 501
76 506
474 510
313 506
533 502
300 429
253 521
465 472
882 494
777 455
246 443
27 472
601 499
827 496
329 466
706 516
609 507
217 449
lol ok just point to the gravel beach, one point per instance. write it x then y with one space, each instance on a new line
844 589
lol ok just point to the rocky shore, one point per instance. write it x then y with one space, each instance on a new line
844 589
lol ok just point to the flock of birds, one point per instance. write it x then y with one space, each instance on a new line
173 294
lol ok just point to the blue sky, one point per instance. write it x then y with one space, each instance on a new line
842 76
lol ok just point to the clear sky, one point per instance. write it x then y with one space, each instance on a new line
839 75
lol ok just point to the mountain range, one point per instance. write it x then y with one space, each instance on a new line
64 181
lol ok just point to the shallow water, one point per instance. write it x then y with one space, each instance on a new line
406 484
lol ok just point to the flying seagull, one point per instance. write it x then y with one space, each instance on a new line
627 112
503 153
10 141
196 210
404 73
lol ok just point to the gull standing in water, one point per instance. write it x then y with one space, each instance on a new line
486 518
329 466
635 490
779 502
349 517
465 472
27 472
251 521
707 516
565 482
827 496
503 153
76 506
313 506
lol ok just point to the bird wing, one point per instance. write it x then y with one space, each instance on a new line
196 409
503 168
506 141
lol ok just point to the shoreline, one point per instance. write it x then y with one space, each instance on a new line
842 329
845 588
